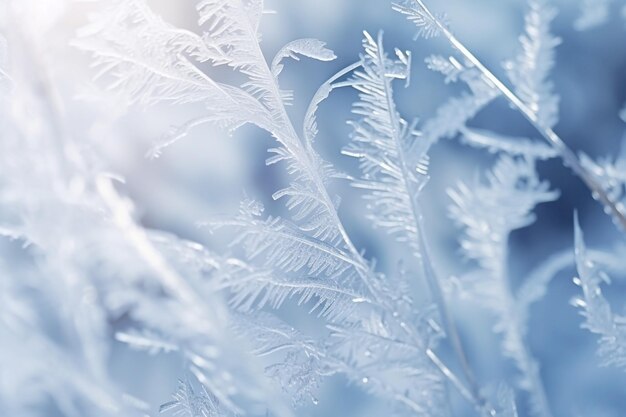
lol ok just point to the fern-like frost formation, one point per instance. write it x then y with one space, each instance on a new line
340 284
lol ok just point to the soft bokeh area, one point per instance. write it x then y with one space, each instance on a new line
206 174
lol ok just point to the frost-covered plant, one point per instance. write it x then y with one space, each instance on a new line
511 193
225 314
599 318
310 254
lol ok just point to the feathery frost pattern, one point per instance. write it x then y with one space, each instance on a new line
282 306
311 48
489 213
309 257
535 93
530 71
453 116
392 155
529 74
599 318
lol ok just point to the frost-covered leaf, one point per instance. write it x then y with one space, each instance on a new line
452 117
127 41
283 250
312 215
232 26
310 129
230 38
594 307
258 289
489 212
284 246
530 71
392 155
148 60
309 47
